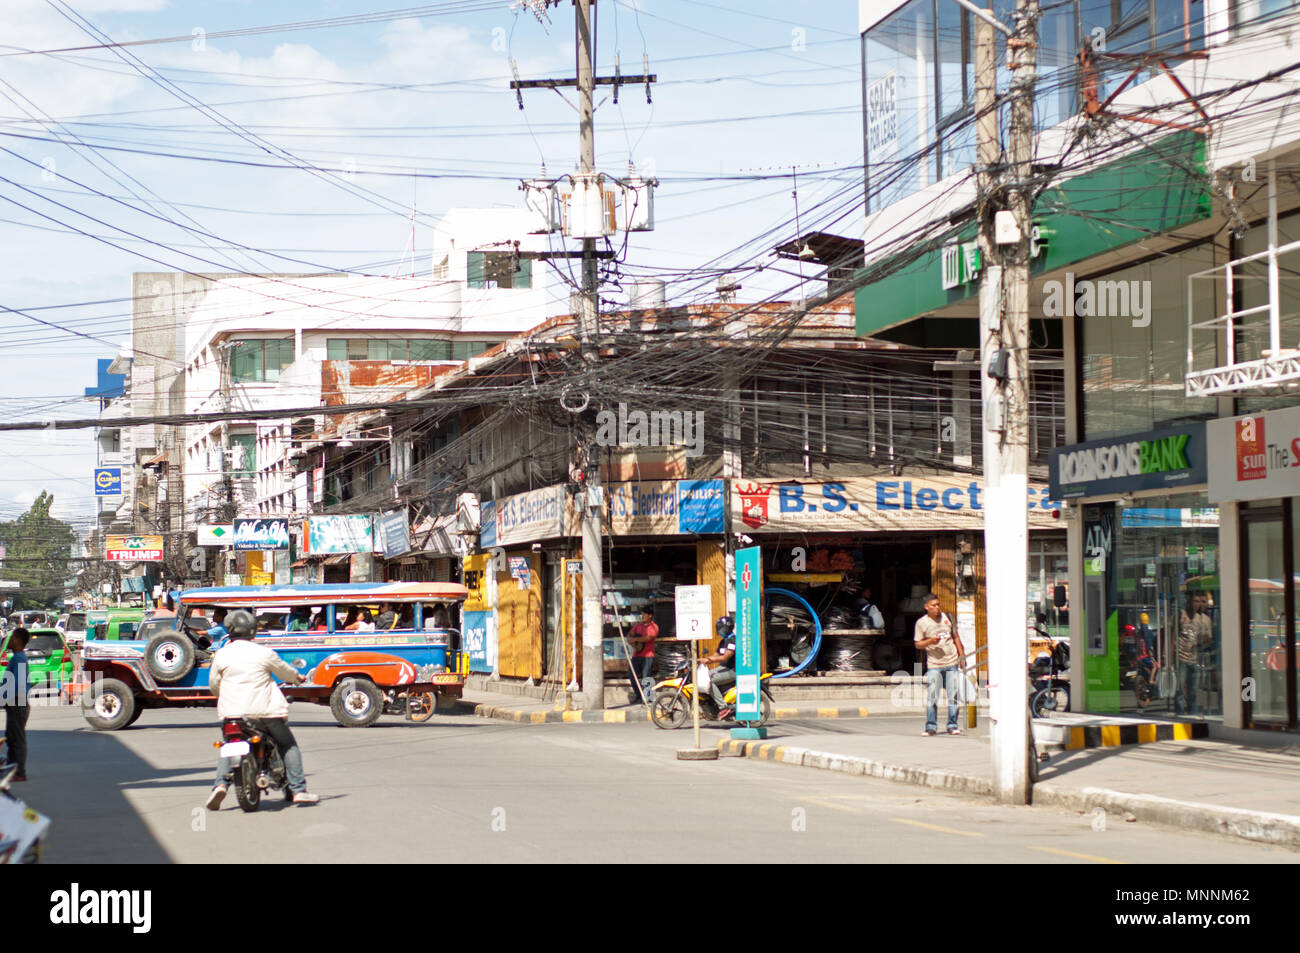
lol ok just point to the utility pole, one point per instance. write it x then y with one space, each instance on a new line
593 630
1004 379
592 502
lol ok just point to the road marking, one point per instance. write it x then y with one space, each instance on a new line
1070 853
935 827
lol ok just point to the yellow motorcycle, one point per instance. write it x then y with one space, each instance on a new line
671 705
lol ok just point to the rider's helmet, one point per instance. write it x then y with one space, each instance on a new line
725 626
240 624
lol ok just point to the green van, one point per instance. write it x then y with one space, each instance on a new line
113 623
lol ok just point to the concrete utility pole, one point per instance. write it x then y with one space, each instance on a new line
585 82
1004 379
593 652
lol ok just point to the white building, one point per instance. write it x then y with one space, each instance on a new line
279 342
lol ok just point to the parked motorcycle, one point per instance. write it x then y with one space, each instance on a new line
259 766
1051 683
21 828
671 705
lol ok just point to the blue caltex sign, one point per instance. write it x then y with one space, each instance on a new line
108 481
749 632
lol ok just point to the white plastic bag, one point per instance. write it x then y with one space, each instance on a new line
702 678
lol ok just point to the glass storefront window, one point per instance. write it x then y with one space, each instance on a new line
1156 563
1048 570
1266 615
1134 362
918 77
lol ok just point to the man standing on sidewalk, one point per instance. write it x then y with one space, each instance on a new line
642 641
944 653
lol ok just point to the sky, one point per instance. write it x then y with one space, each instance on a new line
189 154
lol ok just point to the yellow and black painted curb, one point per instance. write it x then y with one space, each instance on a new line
1112 736
626 715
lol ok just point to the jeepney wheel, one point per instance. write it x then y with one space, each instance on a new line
109 705
169 656
356 702
135 715
420 706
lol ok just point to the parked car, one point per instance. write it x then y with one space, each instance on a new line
49 659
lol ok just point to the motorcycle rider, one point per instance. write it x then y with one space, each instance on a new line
241 679
724 676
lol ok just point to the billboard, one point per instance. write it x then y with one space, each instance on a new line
108 481
340 534
129 549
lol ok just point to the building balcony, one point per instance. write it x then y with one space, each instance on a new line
1254 346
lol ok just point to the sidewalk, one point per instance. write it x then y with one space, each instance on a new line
1205 785
526 710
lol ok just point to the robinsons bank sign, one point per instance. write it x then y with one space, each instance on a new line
1169 458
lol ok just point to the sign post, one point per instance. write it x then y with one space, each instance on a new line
749 647
693 606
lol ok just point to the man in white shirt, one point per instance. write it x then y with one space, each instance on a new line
944 653
241 680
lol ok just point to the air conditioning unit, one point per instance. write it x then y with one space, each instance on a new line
589 208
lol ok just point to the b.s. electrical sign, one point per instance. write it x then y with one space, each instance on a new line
887 502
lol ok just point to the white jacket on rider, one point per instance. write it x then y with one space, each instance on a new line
240 677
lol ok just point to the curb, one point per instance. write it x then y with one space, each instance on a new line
625 715
1262 827
620 716
805 757
1079 737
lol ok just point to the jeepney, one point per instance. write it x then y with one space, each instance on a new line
415 664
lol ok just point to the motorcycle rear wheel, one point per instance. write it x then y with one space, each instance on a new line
668 710
246 789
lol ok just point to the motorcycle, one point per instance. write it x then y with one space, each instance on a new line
671 706
21 828
258 767
1051 684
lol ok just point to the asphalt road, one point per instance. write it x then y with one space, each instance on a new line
460 788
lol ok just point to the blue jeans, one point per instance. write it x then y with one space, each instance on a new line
1185 701
278 729
950 679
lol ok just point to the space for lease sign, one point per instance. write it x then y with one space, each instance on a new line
882 503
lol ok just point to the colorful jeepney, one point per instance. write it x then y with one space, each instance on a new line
409 660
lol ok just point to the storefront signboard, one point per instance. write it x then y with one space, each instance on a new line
946 502
261 534
749 632
665 508
1166 459
394 533
526 517
477 626
700 507
215 534
340 534
1258 456
487 533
